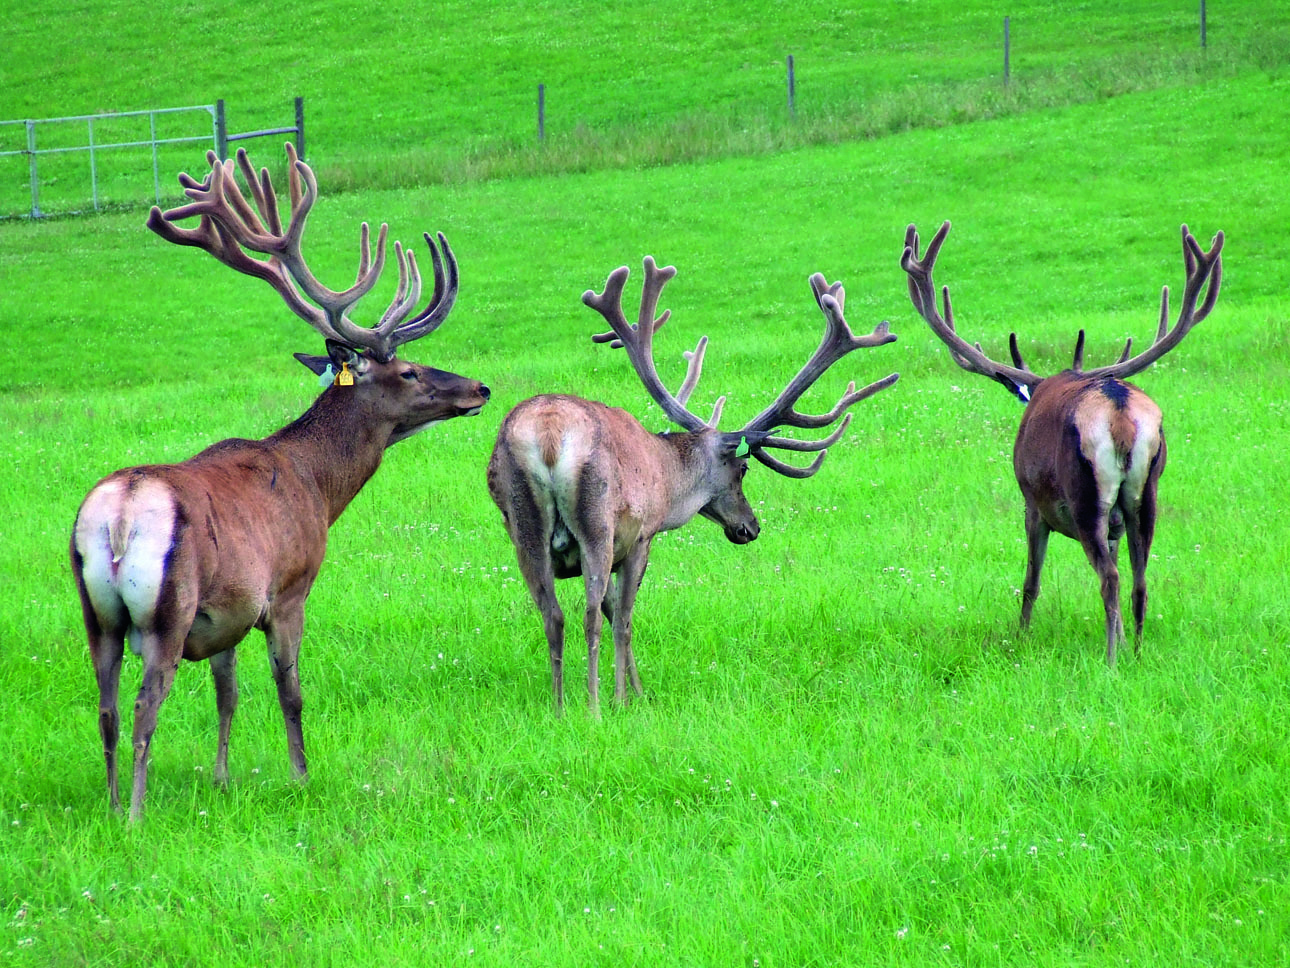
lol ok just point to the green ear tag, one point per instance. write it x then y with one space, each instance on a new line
326 376
743 450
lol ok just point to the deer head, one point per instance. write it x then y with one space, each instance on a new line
411 397
729 450
1201 267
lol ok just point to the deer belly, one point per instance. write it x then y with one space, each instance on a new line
214 631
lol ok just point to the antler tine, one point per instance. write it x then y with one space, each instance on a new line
922 292
837 342
230 227
405 296
441 299
788 470
1201 268
638 340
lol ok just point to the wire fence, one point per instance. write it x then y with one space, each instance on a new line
72 165
89 162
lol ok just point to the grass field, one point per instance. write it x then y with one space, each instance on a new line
846 753
421 93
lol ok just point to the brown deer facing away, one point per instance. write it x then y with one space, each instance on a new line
1091 447
184 559
584 488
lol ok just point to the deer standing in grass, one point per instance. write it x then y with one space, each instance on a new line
1090 448
183 560
584 488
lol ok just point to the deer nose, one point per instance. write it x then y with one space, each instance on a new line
484 391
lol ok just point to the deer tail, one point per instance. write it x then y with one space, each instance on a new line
119 529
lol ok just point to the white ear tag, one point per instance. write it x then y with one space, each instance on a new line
1024 392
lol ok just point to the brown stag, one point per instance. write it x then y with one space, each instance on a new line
184 559
1090 448
584 488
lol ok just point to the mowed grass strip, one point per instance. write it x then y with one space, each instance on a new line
424 93
846 752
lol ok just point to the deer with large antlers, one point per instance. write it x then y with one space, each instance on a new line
1090 448
584 488
183 560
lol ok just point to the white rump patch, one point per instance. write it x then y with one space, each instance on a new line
1097 445
123 538
1145 447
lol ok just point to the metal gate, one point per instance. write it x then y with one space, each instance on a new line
211 120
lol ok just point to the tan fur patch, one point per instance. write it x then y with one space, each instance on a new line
1124 430
550 441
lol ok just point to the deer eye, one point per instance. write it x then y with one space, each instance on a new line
743 469
409 374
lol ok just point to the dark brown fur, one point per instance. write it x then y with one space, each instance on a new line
1088 458
262 509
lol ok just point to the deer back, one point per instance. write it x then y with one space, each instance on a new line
565 462
1084 441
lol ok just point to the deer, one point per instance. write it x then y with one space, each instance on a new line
584 488
183 560
1090 448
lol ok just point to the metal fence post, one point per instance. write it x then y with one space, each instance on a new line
35 179
221 131
541 112
792 89
300 127
1202 24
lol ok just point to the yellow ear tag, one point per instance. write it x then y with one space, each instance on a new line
344 378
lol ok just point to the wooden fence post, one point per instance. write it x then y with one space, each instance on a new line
221 131
31 163
792 89
1007 48
300 127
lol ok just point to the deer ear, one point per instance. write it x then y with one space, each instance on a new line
340 354
317 364
740 445
1019 390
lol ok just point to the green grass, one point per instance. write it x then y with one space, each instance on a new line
846 753
420 93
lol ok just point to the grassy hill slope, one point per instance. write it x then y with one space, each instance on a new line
419 93
847 754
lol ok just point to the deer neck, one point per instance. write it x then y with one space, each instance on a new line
338 443
686 462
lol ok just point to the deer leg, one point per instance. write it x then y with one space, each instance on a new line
1140 527
531 524
1097 548
224 671
597 559
630 573
106 649
161 654
1037 532
1139 553
595 575
282 635
106 635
